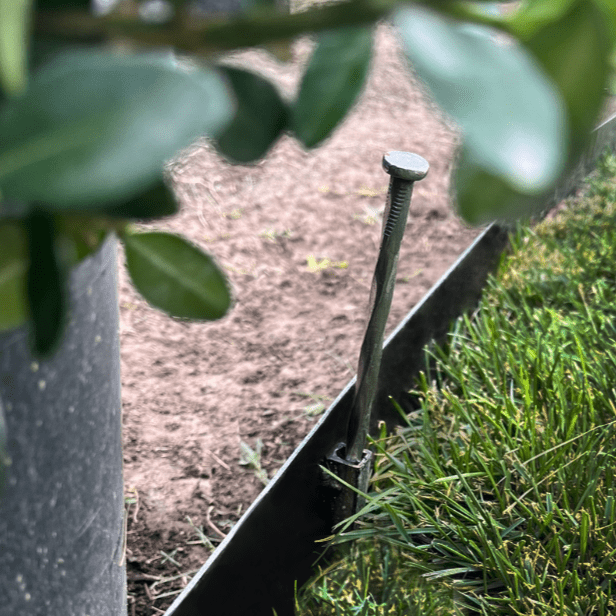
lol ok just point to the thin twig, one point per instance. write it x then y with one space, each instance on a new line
170 593
172 578
134 490
144 577
221 462
212 525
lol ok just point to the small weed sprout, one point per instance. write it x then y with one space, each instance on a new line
318 403
273 235
203 539
252 458
315 266
233 214
370 215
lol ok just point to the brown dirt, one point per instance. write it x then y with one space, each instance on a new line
193 393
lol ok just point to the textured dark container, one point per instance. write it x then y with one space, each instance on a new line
61 512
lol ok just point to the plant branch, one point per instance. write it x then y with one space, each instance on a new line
206 36
209 36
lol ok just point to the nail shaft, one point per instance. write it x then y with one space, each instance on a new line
405 169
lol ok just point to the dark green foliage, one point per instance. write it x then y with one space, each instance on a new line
45 283
332 83
95 127
157 201
260 117
175 276
64 5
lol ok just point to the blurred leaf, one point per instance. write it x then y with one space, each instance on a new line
95 128
176 276
45 284
534 15
13 209
260 118
483 197
608 7
574 51
511 116
79 238
42 50
332 82
154 202
13 267
14 34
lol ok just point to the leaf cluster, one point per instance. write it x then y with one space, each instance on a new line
83 150
85 130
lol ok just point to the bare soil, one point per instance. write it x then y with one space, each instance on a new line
193 394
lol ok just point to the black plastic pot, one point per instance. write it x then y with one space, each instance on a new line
61 512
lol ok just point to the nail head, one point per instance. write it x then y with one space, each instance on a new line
405 165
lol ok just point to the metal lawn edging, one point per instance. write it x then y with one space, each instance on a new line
274 545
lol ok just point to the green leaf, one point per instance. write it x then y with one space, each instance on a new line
260 118
532 16
13 267
482 196
14 26
95 127
609 10
512 118
13 209
154 202
43 49
79 238
176 276
574 51
332 82
577 38
45 284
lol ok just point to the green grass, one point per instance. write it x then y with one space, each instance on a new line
498 496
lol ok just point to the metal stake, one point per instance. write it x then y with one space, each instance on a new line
350 461
405 169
